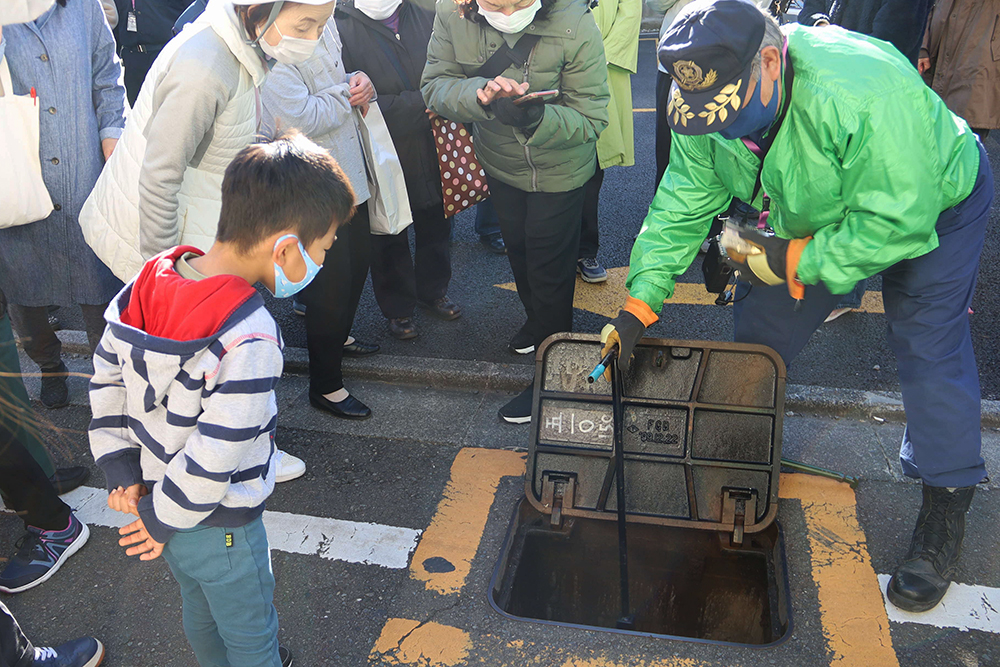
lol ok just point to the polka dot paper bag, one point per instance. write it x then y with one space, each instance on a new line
463 182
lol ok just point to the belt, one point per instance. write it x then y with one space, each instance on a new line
146 48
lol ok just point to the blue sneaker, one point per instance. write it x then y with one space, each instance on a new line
298 307
40 553
591 270
83 652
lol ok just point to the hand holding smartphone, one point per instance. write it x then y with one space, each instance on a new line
540 97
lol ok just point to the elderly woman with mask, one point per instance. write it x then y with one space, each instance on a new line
320 98
537 158
197 109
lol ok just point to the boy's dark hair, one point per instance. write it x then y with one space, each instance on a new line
288 183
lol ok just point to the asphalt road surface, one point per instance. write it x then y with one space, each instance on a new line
851 352
385 550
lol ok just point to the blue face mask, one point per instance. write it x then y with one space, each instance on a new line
283 287
754 117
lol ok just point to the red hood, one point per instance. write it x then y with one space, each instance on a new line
165 305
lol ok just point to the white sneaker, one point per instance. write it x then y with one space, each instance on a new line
288 467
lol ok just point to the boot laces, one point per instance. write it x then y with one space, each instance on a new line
931 535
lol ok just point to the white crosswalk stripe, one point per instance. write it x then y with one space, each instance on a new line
333 539
964 607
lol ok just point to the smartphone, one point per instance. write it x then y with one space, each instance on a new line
540 97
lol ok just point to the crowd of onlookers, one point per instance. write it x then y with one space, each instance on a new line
152 114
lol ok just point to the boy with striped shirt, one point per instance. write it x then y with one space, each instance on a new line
183 394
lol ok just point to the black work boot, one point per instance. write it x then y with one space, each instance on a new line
923 578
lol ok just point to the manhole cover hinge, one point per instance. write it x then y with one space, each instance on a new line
739 509
558 492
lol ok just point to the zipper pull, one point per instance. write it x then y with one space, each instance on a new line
34 96
397 37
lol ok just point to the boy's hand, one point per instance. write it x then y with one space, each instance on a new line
145 547
125 500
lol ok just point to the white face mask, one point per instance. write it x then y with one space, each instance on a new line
289 50
516 22
378 10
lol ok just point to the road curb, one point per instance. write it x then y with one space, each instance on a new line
490 376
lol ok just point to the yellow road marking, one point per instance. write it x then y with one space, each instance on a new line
406 642
853 614
446 550
607 298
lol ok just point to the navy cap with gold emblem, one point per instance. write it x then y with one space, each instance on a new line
709 51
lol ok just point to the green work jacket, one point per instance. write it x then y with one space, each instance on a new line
866 160
561 153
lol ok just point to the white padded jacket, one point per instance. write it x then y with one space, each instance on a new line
198 108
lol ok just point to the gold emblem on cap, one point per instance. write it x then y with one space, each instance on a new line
728 95
679 108
689 76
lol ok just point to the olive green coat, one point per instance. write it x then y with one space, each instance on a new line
619 22
561 153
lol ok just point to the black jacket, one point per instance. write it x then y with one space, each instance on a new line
901 22
366 43
154 22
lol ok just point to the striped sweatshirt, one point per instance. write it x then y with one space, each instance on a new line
183 397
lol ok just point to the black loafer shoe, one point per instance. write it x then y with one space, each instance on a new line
494 244
55 392
349 408
402 328
66 479
443 308
359 349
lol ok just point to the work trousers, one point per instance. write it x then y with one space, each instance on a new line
16 413
227 589
542 234
39 340
662 128
331 301
590 234
26 488
398 280
15 649
927 303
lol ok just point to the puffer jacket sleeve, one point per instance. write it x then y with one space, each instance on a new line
689 196
582 113
891 194
186 102
445 87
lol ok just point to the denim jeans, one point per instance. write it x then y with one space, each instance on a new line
228 593
487 223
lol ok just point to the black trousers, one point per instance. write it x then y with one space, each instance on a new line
399 280
662 128
39 340
136 64
15 649
590 235
26 488
542 234
331 301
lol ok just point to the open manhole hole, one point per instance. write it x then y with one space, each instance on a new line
701 434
